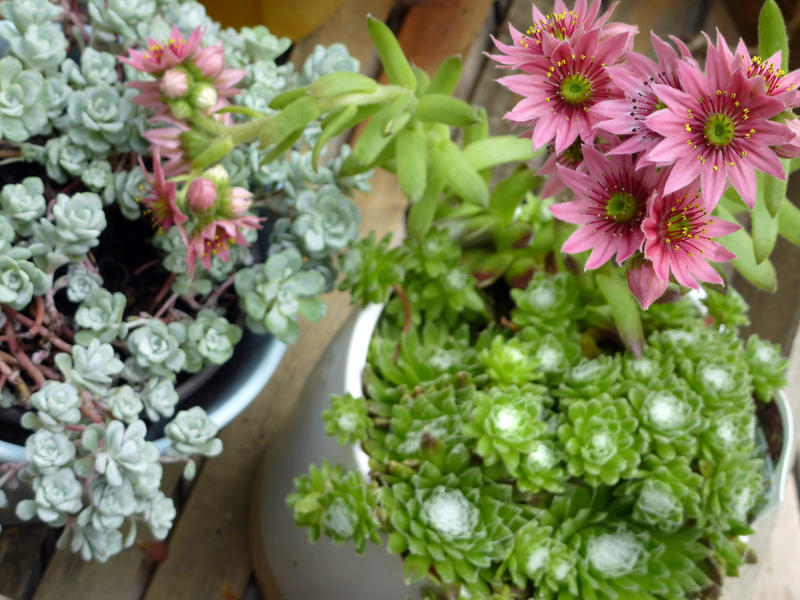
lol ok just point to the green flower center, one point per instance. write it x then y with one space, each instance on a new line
659 106
576 89
621 207
719 130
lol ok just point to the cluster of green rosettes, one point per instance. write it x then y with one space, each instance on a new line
539 459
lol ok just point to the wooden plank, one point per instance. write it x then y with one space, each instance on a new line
123 577
433 30
22 552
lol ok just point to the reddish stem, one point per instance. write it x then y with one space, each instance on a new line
89 409
165 289
214 298
21 357
146 266
166 306
407 325
51 337
508 324
76 427
37 324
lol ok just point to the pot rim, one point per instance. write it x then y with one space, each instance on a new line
272 351
367 321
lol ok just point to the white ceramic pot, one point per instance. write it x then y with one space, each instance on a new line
288 566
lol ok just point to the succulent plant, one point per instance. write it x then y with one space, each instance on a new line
601 439
100 316
549 303
591 378
212 337
58 495
56 403
339 504
41 46
347 419
23 203
327 220
81 281
193 432
274 293
156 347
90 367
20 280
508 423
510 362
766 366
370 269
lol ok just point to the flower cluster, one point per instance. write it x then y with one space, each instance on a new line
648 148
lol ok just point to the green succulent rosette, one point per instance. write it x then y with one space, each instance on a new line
510 361
555 353
450 526
543 467
549 302
22 103
541 559
434 255
347 419
668 494
210 338
734 492
370 269
592 377
728 434
423 354
728 308
766 366
429 420
20 280
670 417
156 347
722 382
601 439
453 296
506 423
651 366
340 505
23 203
669 315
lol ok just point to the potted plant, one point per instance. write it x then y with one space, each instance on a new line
514 423
157 218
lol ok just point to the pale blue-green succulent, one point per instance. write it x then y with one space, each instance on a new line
56 403
156 347
90 367
23 203
100 316
193 432
41 47
124 403
24 13
94 68
274 293
160 398
62 158
20 280
57 494
327 221
119 16
7 234
80 281
22 106
98 117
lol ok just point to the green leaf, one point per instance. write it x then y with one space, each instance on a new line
759 274
497 150
459 174
332 128
412 158
423 81
789 222
773 190
624 308
772 33
440 108
509 193
422 213
480 130
214 153
446 77
342 82
368 145
765 230
395 64
284 99
242 110
295 116
279 149
415 567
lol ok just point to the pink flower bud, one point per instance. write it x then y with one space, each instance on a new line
210 60
645 284
202 194
241 199
174 83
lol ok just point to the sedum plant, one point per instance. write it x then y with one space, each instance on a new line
551 425
155 202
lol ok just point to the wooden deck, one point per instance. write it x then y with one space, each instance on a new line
208 551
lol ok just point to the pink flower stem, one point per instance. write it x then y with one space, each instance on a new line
166 306
146 266
194 304
164 289
214 298
49 335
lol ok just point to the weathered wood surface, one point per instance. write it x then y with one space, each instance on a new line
209 556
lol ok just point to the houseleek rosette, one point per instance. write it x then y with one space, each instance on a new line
601 440
670 417
347 419
590 378
722 381
540 557
653 365
510 361
455 523
766 366
506 423
340 505
543 467
555 352
551 303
